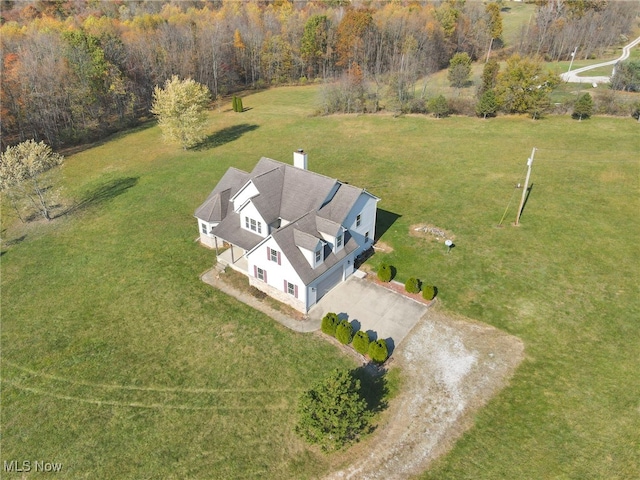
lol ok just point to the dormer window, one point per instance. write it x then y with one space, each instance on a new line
338 241
253 225
358 220
318 256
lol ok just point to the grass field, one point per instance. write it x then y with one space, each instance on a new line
119 363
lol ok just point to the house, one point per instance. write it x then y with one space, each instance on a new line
293 232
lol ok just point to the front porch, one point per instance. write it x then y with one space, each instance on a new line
234 257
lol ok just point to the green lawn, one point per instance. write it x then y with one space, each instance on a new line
118 362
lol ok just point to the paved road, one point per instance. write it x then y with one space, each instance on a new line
573 77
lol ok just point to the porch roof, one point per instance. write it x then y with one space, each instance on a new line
230 231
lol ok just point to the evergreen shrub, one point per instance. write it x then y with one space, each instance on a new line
329 324
344 332
378 351
412 285
428 292
361 342
384 272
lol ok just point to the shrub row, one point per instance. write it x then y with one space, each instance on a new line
343 332
412 285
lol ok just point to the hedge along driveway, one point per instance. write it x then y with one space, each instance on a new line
374 309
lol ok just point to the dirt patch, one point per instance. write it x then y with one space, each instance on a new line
382 247
450 367
430 232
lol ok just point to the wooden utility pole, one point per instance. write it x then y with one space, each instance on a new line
526 186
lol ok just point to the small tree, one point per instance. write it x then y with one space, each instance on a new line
23 175
487 106
635 110
626 76
384 272
361 342
181 110
412 285
344 332
439 106
333 413
583 107
378 351
459 70
330 323
489 76
237 104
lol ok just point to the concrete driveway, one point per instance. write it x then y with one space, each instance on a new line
374 309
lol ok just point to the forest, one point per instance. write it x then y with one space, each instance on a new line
78 70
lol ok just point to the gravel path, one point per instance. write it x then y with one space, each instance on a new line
451 368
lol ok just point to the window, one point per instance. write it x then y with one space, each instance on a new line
291 289
366 237
273 255
338 241
261 274
253 225
204 228
358 220
318 256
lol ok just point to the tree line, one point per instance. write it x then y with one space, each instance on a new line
76 70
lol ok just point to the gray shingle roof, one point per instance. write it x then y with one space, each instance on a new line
214 208
285 238
341 204
305 240
231 231
311 202
327 226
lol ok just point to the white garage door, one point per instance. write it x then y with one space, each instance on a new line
328 283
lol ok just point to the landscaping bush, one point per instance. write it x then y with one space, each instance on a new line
330 323
384 273
344 332
361 342
428 292
333 413
378 351
412 285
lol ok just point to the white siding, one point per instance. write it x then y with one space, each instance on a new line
365 206
276 274
250 211
208 238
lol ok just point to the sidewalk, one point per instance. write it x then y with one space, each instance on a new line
212 277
